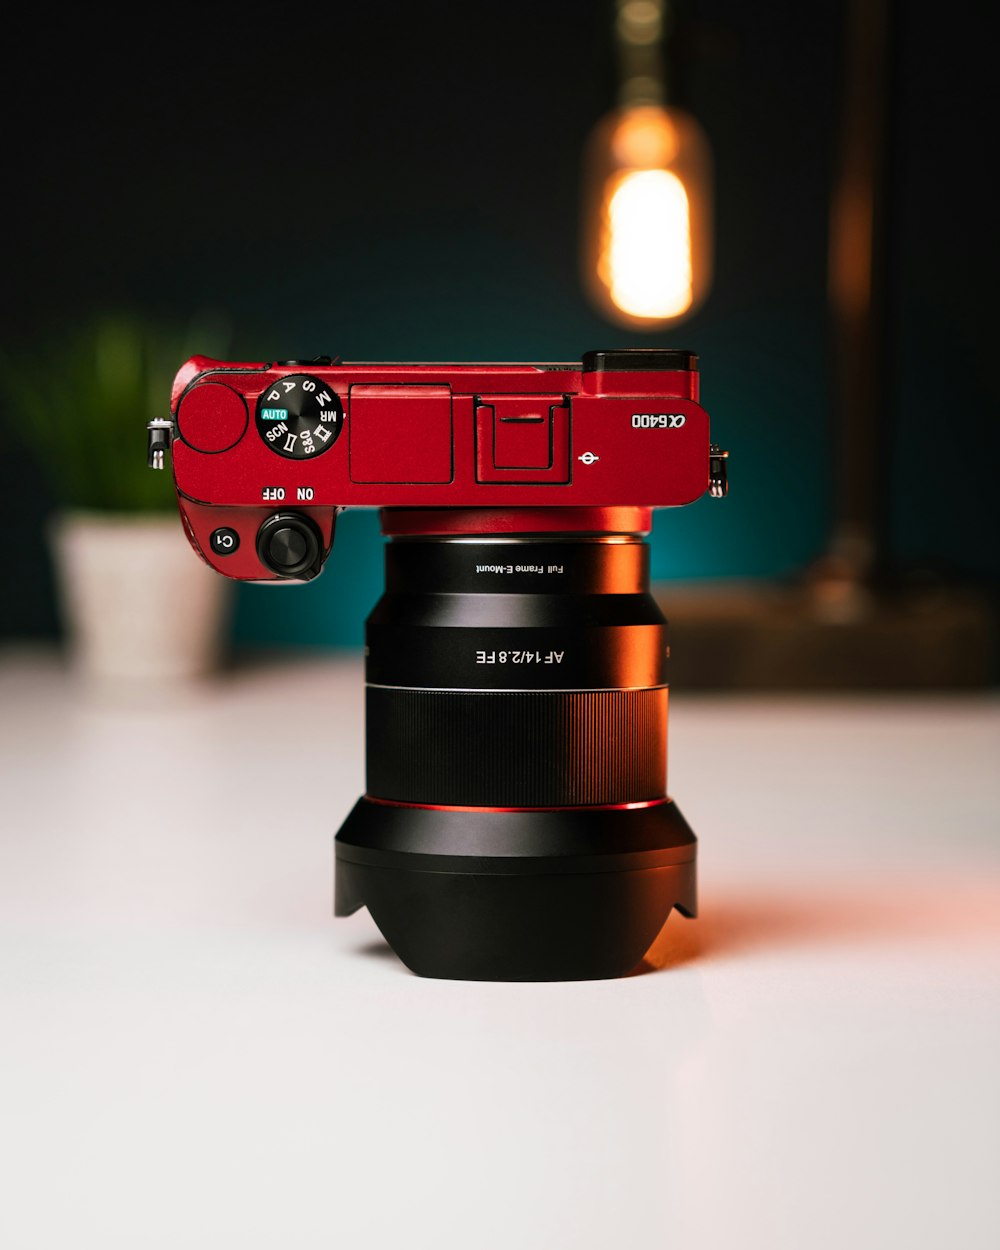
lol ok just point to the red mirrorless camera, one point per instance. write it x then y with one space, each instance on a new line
516 823
304 439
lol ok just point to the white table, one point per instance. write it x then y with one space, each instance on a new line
193 1053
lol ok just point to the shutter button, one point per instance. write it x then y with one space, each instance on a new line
285 548
289 544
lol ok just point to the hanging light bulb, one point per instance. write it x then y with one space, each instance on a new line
647 249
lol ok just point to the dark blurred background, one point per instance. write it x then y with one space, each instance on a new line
403 182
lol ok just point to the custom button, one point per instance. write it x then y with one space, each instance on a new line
224 541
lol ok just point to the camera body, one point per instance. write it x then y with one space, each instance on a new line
305 439
515 823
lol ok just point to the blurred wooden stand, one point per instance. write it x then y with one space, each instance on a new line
850 621
763 637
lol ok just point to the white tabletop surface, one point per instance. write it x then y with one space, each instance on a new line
193 1053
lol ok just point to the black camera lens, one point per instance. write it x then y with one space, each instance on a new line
517 673
515 824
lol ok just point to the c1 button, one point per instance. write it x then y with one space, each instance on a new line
224 541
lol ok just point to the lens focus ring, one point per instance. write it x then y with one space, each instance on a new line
516 748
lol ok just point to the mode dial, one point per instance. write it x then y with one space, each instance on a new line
299 416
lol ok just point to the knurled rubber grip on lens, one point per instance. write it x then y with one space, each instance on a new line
550 748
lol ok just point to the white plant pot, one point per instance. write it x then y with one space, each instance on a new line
138 605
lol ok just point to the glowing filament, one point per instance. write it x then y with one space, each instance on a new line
647 262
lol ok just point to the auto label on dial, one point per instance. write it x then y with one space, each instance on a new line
299 416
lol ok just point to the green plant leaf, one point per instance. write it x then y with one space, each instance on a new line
81 407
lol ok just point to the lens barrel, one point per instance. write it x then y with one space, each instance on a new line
515 825
516 674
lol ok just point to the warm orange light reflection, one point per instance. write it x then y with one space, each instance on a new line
647 216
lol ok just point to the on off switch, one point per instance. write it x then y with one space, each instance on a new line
289 544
